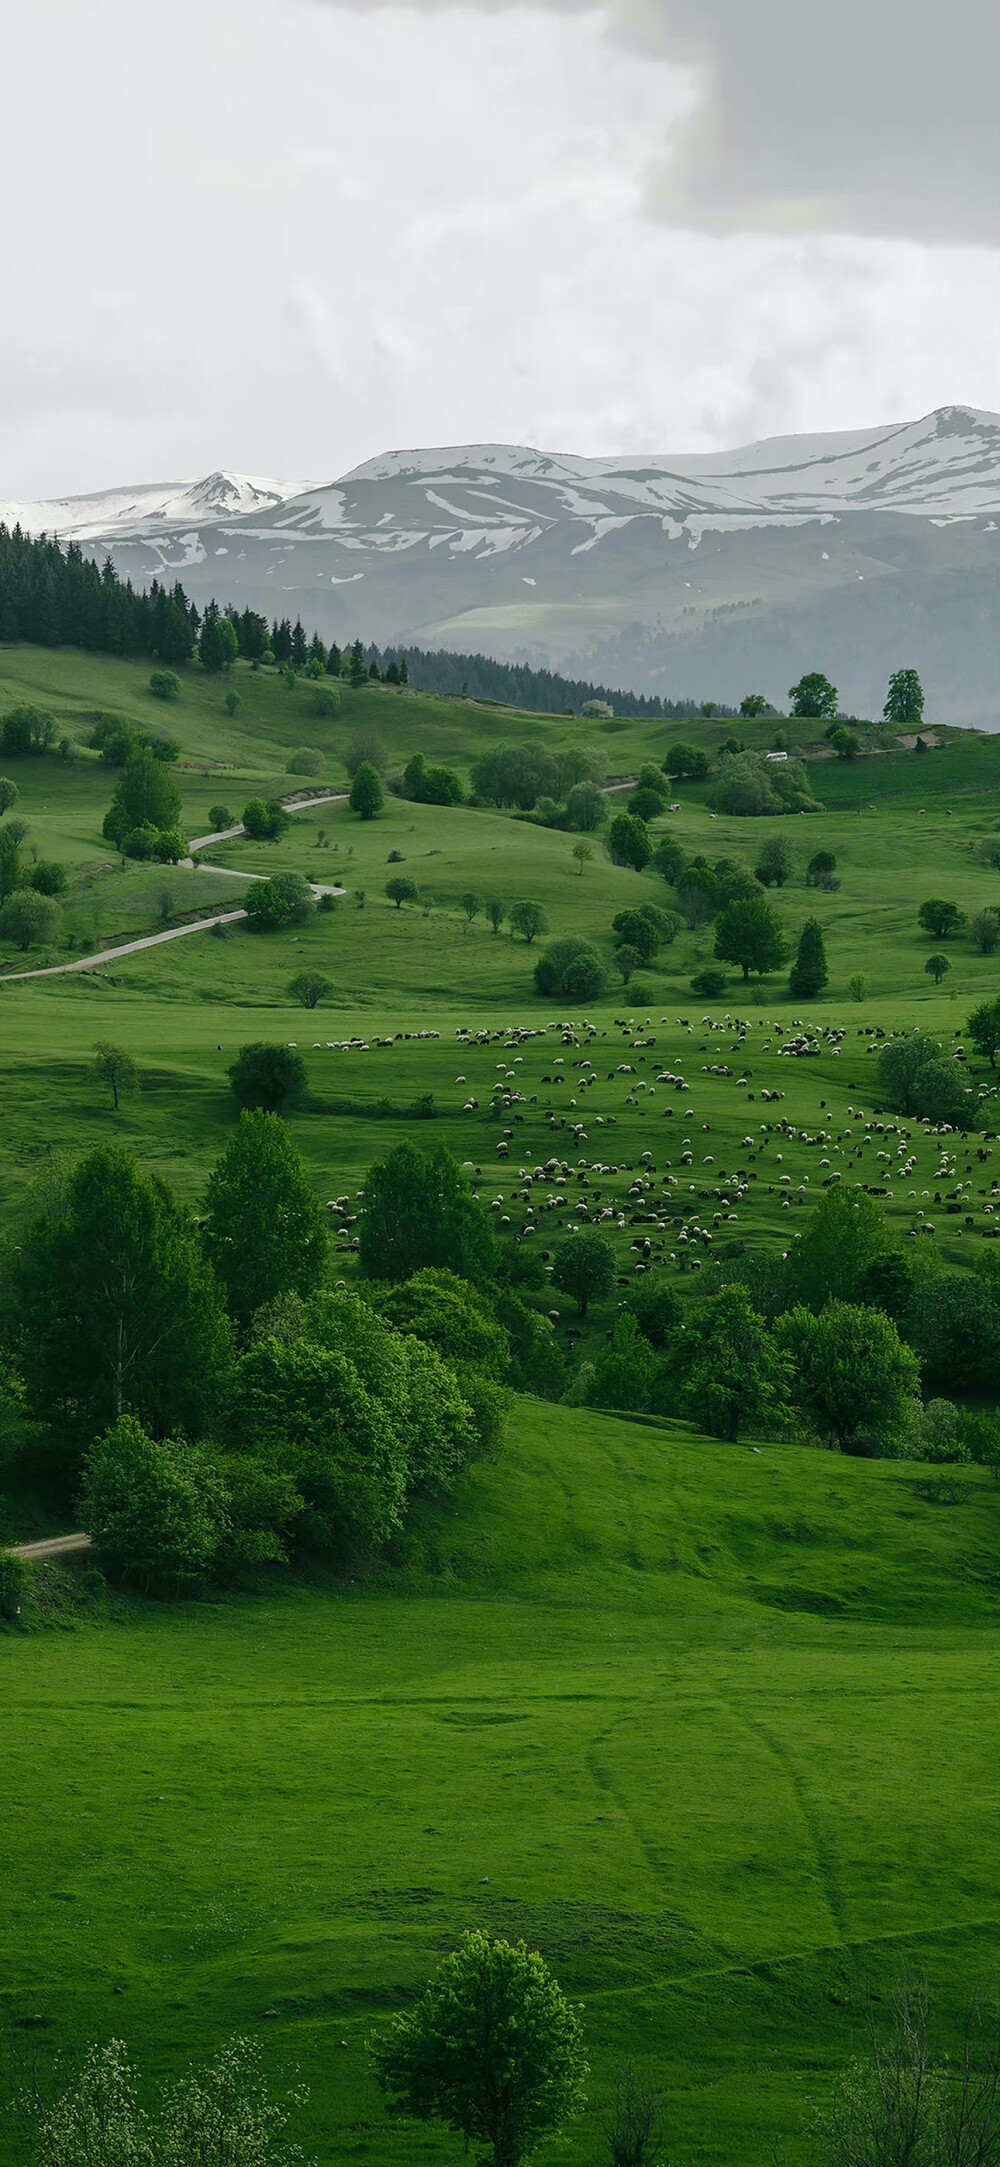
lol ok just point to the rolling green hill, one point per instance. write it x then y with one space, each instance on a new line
713 1729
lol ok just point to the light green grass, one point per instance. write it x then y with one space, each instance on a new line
714 1730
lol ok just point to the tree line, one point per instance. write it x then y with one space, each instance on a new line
205 1391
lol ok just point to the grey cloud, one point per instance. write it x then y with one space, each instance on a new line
874 117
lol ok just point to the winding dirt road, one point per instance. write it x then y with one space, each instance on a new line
201 925
53 1546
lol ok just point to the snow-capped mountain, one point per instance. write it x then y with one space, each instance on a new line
950 461
151 507
699 574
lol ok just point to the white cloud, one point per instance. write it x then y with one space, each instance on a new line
868 117
341 231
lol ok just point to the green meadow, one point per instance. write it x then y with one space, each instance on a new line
714 1728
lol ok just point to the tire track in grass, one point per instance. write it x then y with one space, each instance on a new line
821 1850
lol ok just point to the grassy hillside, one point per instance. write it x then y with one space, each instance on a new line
711 1728
707 1725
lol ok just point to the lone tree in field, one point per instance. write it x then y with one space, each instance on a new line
266 1077
809 973
582 852
493 2049
634 2130
820 869
584 1268
400 890
114 1067
940 918
28 919
309 988
904 701
471 905
528 919
367 795
265 1232
813 698
750 934
496 912
936 966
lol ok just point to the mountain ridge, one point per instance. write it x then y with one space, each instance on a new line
851 551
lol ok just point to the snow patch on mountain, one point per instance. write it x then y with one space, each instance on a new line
151 507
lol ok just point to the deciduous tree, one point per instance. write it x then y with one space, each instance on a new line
528 919
419 1210
584 1267
629 842
116 1068
28 919
267 1076
813 697
367 797
983 1028
940 918
492 2048
750 934
264 1231
734 1372
904 701
852 1373
116 1310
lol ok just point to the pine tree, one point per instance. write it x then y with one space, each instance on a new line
809 974
300 650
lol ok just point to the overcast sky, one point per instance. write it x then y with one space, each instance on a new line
280 236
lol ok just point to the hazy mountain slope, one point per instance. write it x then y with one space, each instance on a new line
701 574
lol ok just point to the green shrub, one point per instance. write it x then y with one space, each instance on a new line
571 967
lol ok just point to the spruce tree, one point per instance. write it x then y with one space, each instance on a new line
809 974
